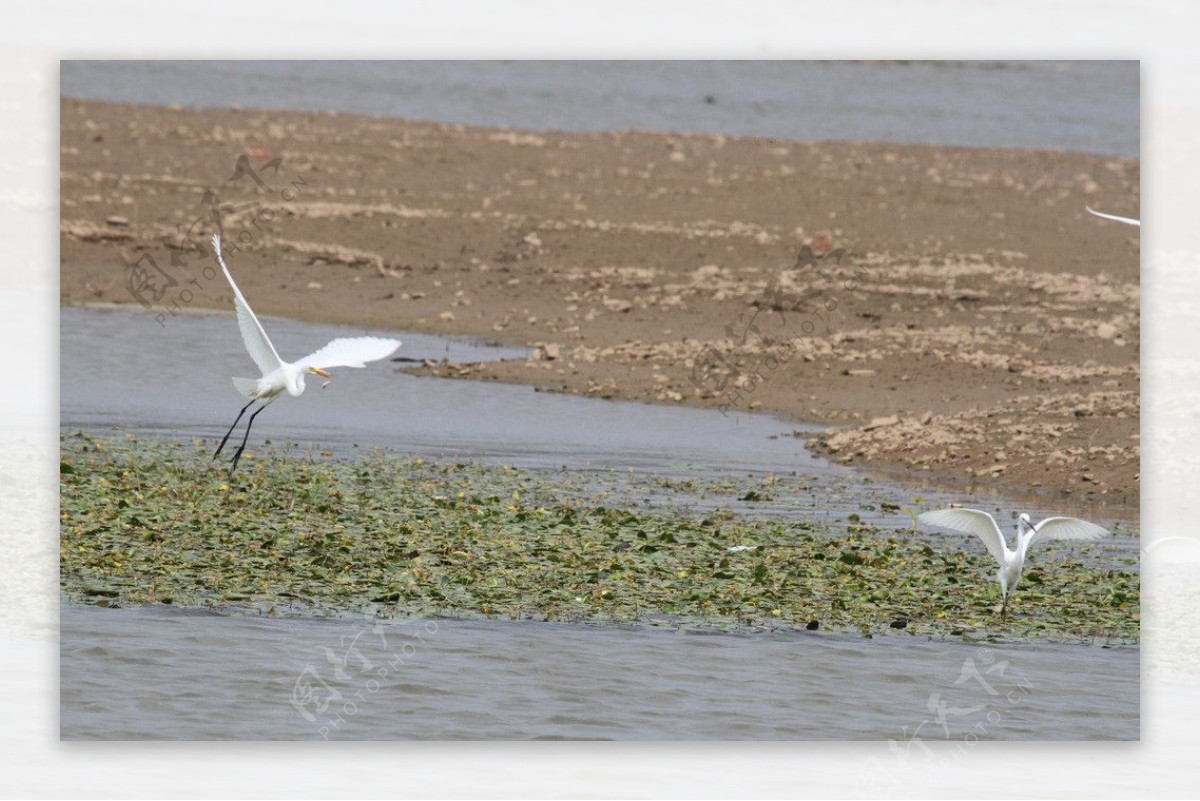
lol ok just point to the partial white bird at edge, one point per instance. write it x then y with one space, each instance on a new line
1126 220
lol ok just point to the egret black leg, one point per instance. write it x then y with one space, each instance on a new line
230 431
1004 607
245 437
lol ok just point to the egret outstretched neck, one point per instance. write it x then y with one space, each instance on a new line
295 382
1024 533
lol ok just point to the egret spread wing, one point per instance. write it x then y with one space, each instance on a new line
1126 220
1064 528
970 521
351 352
260 348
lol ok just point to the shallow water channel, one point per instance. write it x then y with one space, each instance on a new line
122 369
160 673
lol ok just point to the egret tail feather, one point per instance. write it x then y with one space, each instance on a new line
247 386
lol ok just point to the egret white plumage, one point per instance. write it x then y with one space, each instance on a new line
1012 560
278 375
1126 220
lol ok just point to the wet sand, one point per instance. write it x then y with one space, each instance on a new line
960 313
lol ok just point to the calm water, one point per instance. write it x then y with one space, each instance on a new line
167 674
1076 105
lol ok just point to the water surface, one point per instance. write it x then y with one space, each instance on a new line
1069 105
157 673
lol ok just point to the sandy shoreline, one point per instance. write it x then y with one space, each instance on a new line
977 321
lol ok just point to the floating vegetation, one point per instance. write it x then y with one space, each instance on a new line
146 521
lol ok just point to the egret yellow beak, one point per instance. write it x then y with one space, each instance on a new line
323 374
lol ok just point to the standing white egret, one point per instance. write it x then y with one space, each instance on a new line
1012 560
1126 220
278 375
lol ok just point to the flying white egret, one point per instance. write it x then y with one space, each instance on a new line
1012 561
1126 220
278 375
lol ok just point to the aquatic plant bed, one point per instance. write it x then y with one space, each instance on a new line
151 521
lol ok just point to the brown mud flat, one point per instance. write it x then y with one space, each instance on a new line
957 313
